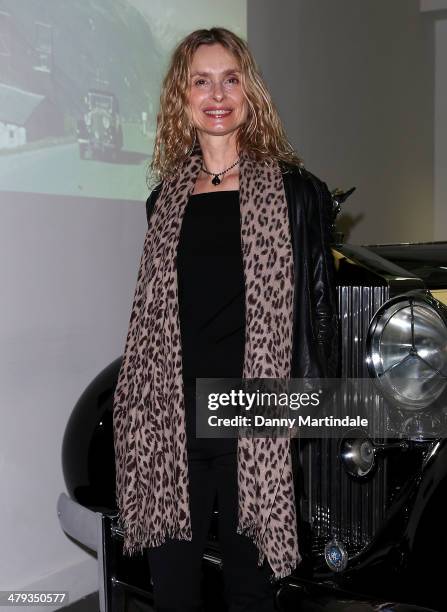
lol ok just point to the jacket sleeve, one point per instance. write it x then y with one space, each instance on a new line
323 275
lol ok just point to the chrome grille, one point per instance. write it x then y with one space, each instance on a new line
333 504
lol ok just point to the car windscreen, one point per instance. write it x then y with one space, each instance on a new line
99 101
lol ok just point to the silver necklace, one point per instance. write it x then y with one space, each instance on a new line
216 180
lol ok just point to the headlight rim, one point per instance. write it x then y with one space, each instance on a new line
424 299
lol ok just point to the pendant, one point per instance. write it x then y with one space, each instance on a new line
216 180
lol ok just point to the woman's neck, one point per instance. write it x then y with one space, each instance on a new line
228 182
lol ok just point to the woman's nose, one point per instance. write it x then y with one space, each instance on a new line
218 91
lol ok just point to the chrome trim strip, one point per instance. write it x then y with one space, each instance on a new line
79 522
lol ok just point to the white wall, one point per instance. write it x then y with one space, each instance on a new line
440 183
438 10
353 82
69 268
433 5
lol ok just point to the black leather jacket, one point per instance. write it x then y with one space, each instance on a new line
315 327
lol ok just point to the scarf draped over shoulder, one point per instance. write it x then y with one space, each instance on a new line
148 409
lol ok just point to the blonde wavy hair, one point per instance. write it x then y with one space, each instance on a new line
262 135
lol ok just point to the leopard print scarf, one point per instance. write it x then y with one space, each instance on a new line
149 417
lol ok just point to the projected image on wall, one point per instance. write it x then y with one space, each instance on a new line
79 91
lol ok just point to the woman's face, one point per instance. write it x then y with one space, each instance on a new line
215 85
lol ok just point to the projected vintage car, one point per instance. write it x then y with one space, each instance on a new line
99 131
370 509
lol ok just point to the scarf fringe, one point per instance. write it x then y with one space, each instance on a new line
138 537
251 530
288 568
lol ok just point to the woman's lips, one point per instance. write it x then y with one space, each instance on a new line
217 114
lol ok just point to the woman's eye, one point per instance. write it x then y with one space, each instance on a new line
232 80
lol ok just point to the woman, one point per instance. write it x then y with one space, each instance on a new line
220 283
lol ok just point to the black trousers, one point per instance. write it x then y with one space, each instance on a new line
176 565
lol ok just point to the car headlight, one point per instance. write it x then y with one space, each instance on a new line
106 122
406 350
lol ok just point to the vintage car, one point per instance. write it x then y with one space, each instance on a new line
99 131
370 508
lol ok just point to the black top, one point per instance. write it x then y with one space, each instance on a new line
211 287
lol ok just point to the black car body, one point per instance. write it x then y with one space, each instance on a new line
99 131
374 542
